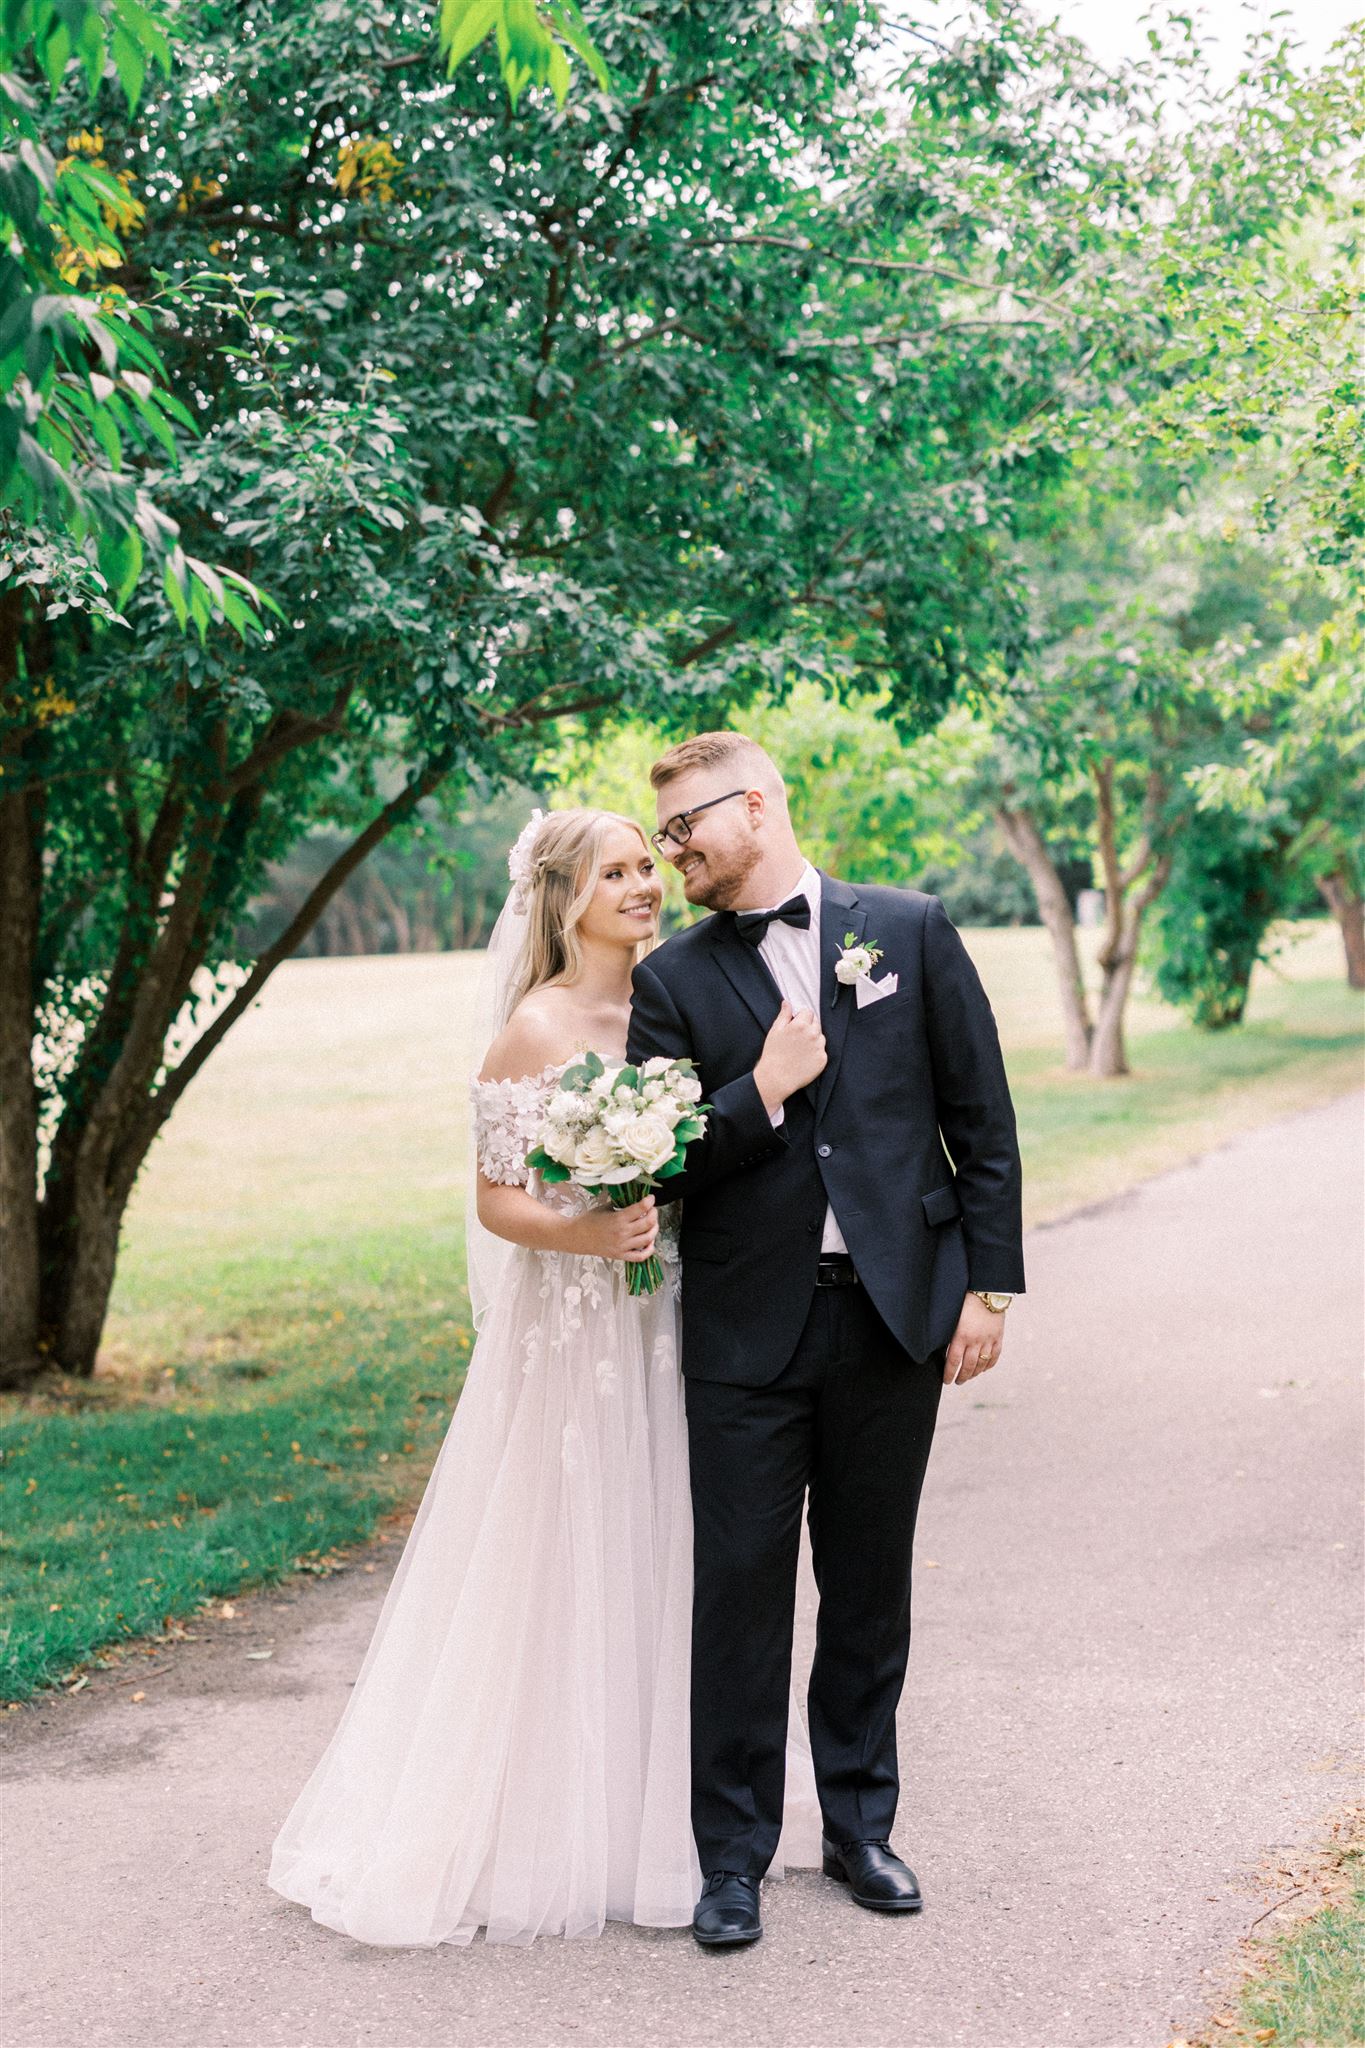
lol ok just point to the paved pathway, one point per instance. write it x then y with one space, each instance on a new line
1133 1676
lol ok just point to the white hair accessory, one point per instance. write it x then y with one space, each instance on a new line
520 865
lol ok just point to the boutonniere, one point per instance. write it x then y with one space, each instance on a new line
857 959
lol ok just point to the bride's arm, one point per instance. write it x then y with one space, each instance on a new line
523 1050
511 1213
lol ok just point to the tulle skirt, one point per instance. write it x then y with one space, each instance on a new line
514 1755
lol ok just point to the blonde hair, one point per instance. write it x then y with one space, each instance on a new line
563 860
712 750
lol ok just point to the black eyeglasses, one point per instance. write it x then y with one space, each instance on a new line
679 828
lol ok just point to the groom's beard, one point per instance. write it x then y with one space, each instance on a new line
719 878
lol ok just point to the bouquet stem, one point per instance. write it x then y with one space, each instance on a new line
643 1276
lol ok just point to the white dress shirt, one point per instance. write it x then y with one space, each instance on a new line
792 957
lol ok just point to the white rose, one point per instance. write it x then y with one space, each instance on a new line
851 966
561 1144
652 1090
618 1121
687 1088
650 1141
594 1155
652 1068
602 1086
562 1106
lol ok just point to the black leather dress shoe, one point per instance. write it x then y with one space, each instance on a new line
874 1874
727 1911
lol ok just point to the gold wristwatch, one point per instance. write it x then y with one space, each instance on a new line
996 1303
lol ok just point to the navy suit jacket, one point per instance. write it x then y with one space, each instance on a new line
909 1132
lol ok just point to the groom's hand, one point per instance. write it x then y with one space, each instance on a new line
793 1055
977 1343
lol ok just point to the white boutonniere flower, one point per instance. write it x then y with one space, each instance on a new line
857 959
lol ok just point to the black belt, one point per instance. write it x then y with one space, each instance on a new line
835 1269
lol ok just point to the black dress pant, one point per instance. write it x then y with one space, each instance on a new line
851 1418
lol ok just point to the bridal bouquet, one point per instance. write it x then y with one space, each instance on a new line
623 1129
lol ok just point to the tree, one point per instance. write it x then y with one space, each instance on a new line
727 378
1144 611
1227 886
1296 783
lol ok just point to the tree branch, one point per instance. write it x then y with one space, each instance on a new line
893 265
286 731
134 1146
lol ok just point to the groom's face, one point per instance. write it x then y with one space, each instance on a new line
723 847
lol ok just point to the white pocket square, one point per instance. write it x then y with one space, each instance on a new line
869 991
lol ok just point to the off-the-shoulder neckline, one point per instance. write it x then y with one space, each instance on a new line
520 1080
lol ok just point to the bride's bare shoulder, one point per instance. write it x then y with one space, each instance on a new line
538 1034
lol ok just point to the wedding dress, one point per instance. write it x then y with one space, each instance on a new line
515 1753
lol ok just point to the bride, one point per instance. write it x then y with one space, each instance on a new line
514 1755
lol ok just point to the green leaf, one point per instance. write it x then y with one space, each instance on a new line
463 26
569 23
171 584
130 63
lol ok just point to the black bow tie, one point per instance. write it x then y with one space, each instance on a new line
753 924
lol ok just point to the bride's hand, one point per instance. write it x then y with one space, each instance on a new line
615 1233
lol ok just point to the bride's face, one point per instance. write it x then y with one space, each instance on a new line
625 904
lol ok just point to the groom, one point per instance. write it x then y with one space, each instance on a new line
838 1269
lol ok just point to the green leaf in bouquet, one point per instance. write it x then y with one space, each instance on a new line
576 1079
550 1170
629 1077
675 1165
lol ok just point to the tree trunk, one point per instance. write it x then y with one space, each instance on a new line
1108 1053
55 1292
80 1241
392 907
1347 906
20 1350
1123 913
1026 843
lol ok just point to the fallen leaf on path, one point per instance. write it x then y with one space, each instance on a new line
259 1656
79 1686
228 1611
135 1697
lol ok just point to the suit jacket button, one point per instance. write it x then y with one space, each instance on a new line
823 1151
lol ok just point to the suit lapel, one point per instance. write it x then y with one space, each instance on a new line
747 971
840 913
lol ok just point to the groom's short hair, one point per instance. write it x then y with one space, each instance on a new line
714 749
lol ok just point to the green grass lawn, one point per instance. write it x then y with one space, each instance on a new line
289 1329
1314 1987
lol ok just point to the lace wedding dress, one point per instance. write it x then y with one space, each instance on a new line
514 1755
